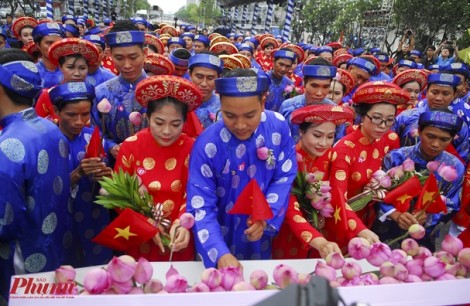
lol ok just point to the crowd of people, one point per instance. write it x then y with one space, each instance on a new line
190 113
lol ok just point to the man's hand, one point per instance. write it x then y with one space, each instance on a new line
255 231
228 260
369 235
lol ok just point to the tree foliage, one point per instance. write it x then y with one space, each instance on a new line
206 13
25 7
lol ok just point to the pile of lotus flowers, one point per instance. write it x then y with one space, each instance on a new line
410 263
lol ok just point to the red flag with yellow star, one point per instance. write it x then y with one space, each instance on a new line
430 198
252 202
462 217
95 146
339 203
129 229
401 196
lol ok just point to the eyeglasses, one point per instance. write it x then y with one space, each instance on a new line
379 121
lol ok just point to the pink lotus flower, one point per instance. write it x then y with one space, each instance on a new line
335 260
104 106
122 268
434 267
398 256
426 278
456 269
327 211
263 153
379 174
176 284
410 246
153 286
415 266
211 277
97 281
369 279
288 89
387 269
464 257
388 280
123 287
433 165
359 248
259 279
284 275
385 181
243 286
379 253
230 276
135 118
417 231
143 271
423 253
408 165
351 269
445 257
187 220
200 287
323 270
414 133
325 187
318 203
65 274
451 244
396 172
446 276
218 289
401 273
448 173
413 279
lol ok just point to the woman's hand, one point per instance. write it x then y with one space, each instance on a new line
179 237
369 235
324 247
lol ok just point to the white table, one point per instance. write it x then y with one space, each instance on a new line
429 293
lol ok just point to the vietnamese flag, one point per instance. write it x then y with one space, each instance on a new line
252 202
430 198
95 146
462 218
128 230
402 195
338 202
465 237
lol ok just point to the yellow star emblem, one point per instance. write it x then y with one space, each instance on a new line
125 233
429 196
337 215
403 198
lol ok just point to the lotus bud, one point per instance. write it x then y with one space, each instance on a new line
445 257
318 175
122 269
136 290
413 279
434 267
122 287
410 246
426 278
325 187
304 278
379 253
464 257
103 192
423 253
415 267
370 279
398 256
379 174
218 289
451 244
211 277
322 269
351 269
259 279
230 276
396 172
318 203
417 231
104 106
433 165
388 280
335 260
187 220
387 269
143 271
97 281
243 286
448 173
153 286
385 181
446 276
401 273
135 118
263 153
284 275
457 269
176 284
359 248
408 165
65 274
200 287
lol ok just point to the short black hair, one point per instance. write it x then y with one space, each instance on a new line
77 56
11 55
156 105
